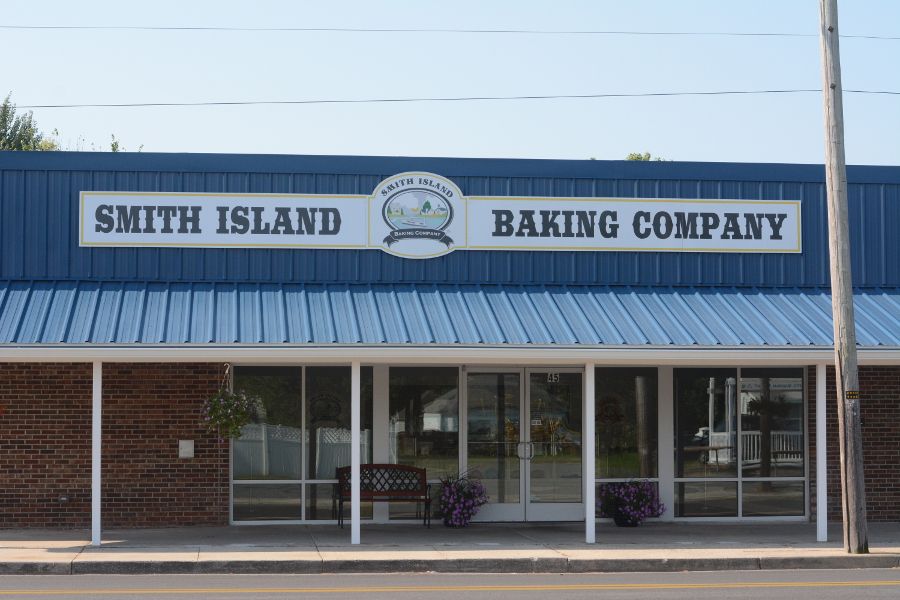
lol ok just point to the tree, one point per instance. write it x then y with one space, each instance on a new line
643 157
116 145
20 132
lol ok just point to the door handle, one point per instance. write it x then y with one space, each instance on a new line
529 454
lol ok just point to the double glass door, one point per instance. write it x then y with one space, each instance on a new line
523 442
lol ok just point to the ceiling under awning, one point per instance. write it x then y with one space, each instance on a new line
87 312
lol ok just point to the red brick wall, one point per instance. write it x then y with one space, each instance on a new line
880 413
45 446
147 408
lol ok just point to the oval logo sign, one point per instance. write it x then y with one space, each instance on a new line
418 215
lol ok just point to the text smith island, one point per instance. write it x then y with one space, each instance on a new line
544 223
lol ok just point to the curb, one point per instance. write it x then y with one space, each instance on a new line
35 568
467 565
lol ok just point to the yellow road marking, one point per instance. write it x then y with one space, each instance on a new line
460 588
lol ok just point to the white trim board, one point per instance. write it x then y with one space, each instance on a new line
431 354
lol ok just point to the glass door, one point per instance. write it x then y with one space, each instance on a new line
523 442
494 445
554 417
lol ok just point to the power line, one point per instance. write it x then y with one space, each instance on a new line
434 30
445 99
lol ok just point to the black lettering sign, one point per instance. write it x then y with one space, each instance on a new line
331 220
641 224
103 216
502 223
527 227
549 226
732 229
189 215
609 228
709 222
776 222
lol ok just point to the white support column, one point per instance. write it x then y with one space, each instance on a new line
355 419
381 449
821 453
590 521
96 431
666 453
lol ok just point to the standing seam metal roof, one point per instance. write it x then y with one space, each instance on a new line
154 313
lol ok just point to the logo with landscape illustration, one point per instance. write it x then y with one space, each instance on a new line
418 211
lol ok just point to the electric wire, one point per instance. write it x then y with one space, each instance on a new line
445 99
188 28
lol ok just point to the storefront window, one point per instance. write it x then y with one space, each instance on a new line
706 499
767 441
424 419
626 423
773 498
772 443
270 446
706 426
706 437
267 502
279 473
328 419
493 433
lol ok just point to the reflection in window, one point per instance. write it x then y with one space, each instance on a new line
273 450
772 442
706 426
328 419
773 498
266 502
424 419
555 473
493 433
706 499
626 423
270 446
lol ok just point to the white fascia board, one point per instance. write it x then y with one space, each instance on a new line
428 354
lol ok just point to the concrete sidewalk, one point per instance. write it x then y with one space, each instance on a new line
481 548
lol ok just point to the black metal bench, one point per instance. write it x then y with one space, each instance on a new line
384 482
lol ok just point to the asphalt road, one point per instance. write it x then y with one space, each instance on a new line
733 585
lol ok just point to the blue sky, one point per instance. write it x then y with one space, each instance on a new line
51 67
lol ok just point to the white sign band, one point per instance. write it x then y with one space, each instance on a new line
422 215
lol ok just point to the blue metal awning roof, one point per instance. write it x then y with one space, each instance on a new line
67 312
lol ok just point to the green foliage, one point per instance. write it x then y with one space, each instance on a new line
227 412
20 132
643 157
116 145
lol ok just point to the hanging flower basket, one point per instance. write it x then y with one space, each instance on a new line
460 500
226 412
630 502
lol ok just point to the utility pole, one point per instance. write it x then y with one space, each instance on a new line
853 487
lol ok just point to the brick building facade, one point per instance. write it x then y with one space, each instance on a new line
45 445
880 393
45 413
585 347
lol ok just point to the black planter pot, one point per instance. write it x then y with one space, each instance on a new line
621 521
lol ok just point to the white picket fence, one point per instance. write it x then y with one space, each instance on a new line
275 451
786 447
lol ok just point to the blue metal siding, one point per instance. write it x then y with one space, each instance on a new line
39 195
67 312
